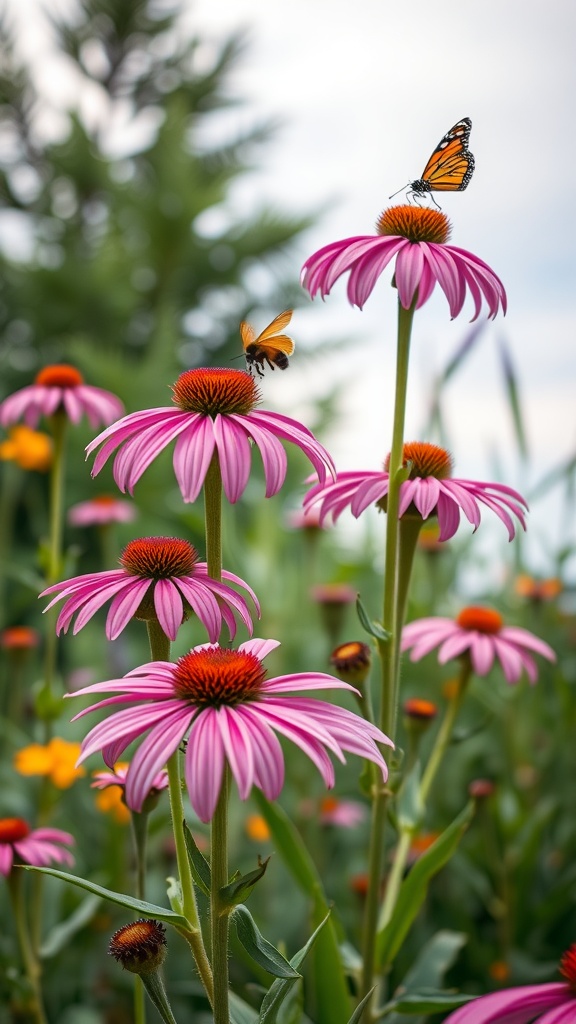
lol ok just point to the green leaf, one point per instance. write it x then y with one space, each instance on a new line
429 1002
241 1012
328 978
59 936
198 864
371 627
279 989
409 807
239 889
415 886
511 384
360 1008
436 957
139 906
262 951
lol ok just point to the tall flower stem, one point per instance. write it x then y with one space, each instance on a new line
31 964
139 823
160 651
213 518
394 595
439 749
219 921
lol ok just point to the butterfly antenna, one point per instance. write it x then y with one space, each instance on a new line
399 190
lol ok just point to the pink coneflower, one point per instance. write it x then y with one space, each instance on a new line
117 777
417 238
429 490
479 633
39 847
215 413
342 813
161 578
60 387
231 713
553 1002
101 510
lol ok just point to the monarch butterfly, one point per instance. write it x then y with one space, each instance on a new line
451 165
269 346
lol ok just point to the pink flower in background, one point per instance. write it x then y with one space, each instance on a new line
342 813
429 490
39 847
481 634
553 1002
160 578
60 388
117 777
215 414
101 510
230 712
416 237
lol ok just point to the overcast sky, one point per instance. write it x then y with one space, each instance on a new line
365 90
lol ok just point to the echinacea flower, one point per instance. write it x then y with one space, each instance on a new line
230 712
417 238
56 760
553 1002
480 634
342 813
19 638
116 779
60 388
160 578
215 414
101 510
39 846
429 490
29 449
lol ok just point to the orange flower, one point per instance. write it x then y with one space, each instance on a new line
30 449
110 801
57 760
257 829
19 638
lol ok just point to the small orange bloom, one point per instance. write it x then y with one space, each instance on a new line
538 590
56 760
499 971
110 801
19 638
257 829
29 449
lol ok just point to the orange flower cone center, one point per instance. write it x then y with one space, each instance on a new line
139 946
484 620
216 676
427 460
416 223
59 376
568 966
105 500
159 558
19 638
213 391
416 707
13 829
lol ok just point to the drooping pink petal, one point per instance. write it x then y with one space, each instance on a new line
522 636
154 753
192 456
268 756
515 1005
234 455
238 748
204 764
168 607
124 606
272 453
204 605
408 272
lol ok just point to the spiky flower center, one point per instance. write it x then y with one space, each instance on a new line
213 391
13 829
484 620
59 376
568 966
427 460
139 946
159 558
216 676
423 710
416 223
19 638
105 500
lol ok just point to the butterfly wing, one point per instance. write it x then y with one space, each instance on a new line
247 333
280 341
450 167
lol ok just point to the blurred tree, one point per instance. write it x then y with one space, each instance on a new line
134 252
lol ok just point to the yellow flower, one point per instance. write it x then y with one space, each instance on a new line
30 449
257 829
110 801
57 760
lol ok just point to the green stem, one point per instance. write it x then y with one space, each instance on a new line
394 596
219 913
31 963
139 823
213 518
154 986
160 651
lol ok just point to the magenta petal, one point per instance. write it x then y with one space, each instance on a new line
408 272
168 606
204 764
268 756
515 1005
153 754
273 457
204 605
192 456
124 605
6 858
237 742
234 455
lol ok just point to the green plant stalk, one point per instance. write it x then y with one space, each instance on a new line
439 749
139 823
219 914
154 986
30 960
394 594
213 518
160 651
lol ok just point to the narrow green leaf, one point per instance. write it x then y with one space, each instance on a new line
279 989
239 889
360 1008
415 886
429 1002
409 807
59 936
241 1012
374 629
433 960
198 864
139 906
262 951
511 385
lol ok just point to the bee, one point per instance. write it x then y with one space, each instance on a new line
269 346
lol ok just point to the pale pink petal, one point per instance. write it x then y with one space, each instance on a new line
408 272
237 742
273 455
6 858
124 606
234 455
204 605
482 653
204 764
154 753
168 607
426 495
521 636
192 456
268 756
260 648
515 1005
448 513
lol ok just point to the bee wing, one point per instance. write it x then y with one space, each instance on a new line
278 324
281 342
247 333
